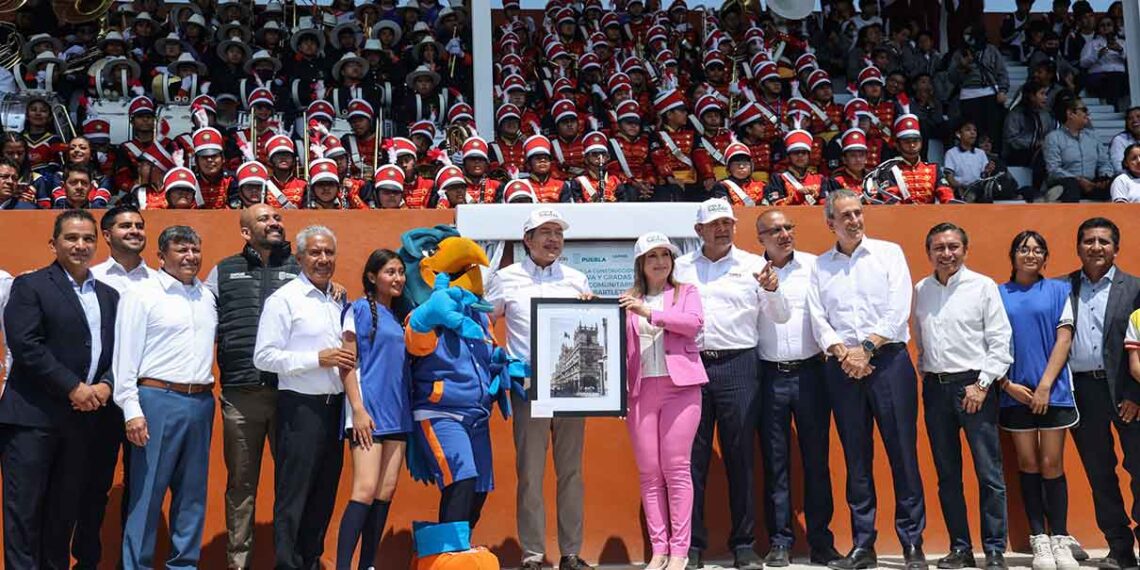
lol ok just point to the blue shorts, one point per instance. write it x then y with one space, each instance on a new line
456 451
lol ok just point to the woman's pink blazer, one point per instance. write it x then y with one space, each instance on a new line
682 321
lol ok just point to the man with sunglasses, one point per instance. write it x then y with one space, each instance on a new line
1076 163
793 386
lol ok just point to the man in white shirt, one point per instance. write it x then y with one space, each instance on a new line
299 339
509 290
738 292
963 338
859 301
124 231
163 369
792 385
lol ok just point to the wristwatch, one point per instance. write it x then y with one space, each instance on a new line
868 347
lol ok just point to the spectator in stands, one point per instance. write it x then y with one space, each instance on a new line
1126 138
1025 128
929 109
977 71
1015 30
965 163
1063 71
1060 20
868 15
9 196
895 87
924 58
1034 37
1116 11
899 45
1076 163
1103 58
870 37
1086 28
1126 186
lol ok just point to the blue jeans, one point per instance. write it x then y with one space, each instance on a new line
945 418
177 457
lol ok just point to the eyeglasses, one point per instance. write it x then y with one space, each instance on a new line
776 230
1026 250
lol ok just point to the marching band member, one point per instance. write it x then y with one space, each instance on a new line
250 186
417 187
567 142
912 181
544 181
283 189
450 188
630 150
738 186
708 155
507 150
596 184
480 188
850 175
325 191
214 182
388 188
361 143
750 128
673 151
181 189
799 183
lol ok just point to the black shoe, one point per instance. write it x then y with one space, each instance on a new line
995 560
745 558
778 557
1117 561
915 559
694 560
573 563
825 556
957 559
857 559
1079 553
531 565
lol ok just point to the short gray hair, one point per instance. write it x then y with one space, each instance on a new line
838 194
178 234
310 232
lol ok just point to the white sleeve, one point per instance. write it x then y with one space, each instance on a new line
1119 190
825 336
269 352
212 281
130 344
893 324
348 321
494 295
998 336
1066 314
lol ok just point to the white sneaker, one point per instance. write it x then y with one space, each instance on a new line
1063 553
1042 552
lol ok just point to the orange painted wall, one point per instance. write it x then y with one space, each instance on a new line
614 532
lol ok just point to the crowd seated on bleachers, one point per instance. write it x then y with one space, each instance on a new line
226 104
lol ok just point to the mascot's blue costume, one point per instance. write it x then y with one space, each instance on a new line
458 374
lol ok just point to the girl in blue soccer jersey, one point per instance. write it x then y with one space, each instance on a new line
1037 404
378 413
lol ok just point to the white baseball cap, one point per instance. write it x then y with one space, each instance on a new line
544 215
714 209
652 240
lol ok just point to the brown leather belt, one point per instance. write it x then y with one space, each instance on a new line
176 386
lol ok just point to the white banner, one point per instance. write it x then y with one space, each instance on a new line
607 264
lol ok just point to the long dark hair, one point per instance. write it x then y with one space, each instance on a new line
376 261
1020 240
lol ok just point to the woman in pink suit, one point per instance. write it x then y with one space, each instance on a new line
665 378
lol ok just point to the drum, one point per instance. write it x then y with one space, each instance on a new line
117 113
177 118
13 109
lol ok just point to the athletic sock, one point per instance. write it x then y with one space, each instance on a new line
1057 505
372 533
1033 496
351 523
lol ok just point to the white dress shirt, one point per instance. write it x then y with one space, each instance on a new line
511 288
732 300
853 297
298 322
165 331
89 301
5 291
791 340
962 326
114 274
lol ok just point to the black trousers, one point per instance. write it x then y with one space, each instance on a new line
888 397
799 394
44 472
310 454
1097 448
945 421
107 437
730 403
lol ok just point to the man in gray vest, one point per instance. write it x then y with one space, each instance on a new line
241 284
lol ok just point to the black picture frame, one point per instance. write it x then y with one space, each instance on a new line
559 347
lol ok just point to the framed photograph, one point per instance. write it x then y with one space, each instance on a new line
577 358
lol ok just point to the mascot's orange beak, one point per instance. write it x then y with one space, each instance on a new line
460 258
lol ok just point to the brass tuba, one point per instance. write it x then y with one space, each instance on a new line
80 11
11 41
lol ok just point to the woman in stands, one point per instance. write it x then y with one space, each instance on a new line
378 414
1126 186
1103 57
1037 405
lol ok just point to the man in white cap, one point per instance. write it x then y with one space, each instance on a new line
541 274
738 290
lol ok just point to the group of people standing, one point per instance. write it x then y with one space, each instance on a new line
720 340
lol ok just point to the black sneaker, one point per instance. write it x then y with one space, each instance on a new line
746 559
995 561
573 563
694 560
778 557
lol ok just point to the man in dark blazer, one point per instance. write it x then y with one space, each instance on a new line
1103 297
60 325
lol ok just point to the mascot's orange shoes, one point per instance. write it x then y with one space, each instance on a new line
477 558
